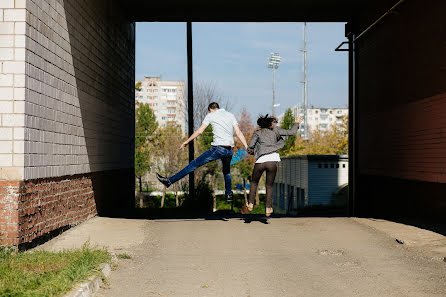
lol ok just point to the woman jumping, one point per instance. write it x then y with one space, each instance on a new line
264 145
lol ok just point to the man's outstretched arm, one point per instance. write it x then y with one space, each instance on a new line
240 136
193 136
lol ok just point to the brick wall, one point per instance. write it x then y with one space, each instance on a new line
66 112
35 208
80 88
12 88
402 102
402 88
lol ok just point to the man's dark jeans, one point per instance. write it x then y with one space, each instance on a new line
214 153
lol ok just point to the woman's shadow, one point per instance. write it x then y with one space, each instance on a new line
254 218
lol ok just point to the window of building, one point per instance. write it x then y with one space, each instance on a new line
155 97
171 110
331 111
316 111
339 112
323 126
323 111
163 118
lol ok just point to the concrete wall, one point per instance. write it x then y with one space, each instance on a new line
402 102
67 112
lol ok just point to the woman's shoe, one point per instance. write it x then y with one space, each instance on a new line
268 211
247 208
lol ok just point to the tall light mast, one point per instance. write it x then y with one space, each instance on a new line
305 81
273 63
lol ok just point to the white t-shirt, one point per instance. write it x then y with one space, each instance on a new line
271 157
222 123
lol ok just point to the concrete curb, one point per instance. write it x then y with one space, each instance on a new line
91 286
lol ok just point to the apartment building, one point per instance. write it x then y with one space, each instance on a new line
320 117
166 98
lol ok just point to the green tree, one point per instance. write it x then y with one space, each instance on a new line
333 141
210 169
287 123
170 159
245 166
145 127
138 86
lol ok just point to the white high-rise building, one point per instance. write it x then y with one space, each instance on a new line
166 98
319 117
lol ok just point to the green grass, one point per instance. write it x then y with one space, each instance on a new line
124 256
222 205
239 201
42 273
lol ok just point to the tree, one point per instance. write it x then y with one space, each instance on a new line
145 127
287 123
245 165
333 141
206 92
210 169
138 86
171 160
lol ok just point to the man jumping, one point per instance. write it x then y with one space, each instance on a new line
223 125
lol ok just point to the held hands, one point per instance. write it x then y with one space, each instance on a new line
183 145
299 120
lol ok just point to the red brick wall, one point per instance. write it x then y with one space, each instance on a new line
402 92
407 142
401 105
30 209
9 218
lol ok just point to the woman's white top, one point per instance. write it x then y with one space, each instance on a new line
271 157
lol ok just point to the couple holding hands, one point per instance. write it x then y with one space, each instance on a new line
264 144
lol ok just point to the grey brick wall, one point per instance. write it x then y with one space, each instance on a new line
79 101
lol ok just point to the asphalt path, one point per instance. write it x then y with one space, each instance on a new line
278 257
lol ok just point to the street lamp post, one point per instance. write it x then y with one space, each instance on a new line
273 63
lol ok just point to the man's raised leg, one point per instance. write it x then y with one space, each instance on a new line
206 157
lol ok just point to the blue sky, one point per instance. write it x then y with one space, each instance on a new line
234 57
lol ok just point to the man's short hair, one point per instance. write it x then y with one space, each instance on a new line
213 105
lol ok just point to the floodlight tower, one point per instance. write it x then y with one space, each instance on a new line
273 63
305 81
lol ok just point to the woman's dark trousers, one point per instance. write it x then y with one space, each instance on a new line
259 168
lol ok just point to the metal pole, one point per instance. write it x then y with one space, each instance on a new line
273 95
190 106
305 82
352 129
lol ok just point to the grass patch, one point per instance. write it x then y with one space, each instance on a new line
42 273
124 256
239 201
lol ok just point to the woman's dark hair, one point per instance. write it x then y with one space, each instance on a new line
266 121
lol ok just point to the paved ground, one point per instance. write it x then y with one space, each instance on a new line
287 257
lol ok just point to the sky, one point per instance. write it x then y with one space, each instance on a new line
233 56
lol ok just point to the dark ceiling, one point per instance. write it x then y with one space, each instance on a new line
242 10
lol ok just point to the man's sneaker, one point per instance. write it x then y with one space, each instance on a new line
229 197
163 180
